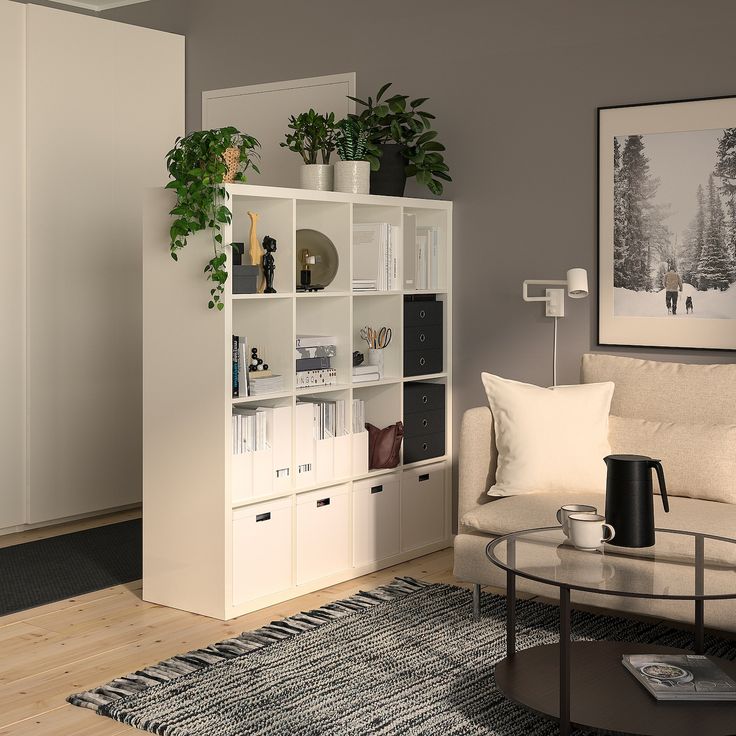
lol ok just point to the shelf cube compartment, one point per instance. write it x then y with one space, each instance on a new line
379 310
331 219
275 217
267 324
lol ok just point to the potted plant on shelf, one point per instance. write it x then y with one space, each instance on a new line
401 143
353 170
199 165
313 136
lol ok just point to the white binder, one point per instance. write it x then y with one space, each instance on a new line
304 445
278 436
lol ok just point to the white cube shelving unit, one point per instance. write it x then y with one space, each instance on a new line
204 548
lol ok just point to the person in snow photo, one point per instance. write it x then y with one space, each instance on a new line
672 288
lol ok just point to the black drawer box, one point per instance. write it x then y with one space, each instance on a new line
417 314
427 337
422 362
424 422
423 397
423 448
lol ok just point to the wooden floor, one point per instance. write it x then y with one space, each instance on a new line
49 652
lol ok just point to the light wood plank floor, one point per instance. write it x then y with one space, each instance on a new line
49 652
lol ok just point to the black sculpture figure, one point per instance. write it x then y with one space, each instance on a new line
269 265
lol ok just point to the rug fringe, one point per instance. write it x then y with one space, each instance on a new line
249 641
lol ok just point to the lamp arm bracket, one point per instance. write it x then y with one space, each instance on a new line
539 282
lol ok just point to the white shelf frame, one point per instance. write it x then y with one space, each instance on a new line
177 293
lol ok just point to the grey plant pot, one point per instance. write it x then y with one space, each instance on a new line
353 177
316 176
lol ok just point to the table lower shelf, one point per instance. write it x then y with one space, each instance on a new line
604 696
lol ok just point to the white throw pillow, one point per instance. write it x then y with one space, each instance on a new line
549 439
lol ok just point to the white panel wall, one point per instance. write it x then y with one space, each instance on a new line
105 101
12 264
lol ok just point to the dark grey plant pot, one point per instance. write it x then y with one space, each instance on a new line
390 179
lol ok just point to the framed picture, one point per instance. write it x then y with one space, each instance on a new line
667 224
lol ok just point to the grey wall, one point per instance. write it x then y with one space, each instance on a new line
515 85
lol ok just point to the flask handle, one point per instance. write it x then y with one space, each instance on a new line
657 465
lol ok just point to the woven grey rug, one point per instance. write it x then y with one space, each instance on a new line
403 659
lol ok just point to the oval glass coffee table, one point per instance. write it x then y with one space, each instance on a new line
584 684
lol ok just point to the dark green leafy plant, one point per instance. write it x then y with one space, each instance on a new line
402 121
197 169
312 134
351 140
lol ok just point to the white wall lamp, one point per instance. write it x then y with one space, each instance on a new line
577 288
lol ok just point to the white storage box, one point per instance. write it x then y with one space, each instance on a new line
322 519
422 506
261 549
375 519
342 466
241 477
262 473
360 453
324 460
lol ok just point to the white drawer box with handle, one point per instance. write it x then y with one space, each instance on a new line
322 519
262 541
376 507
422 506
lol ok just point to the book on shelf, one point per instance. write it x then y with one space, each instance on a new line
241 381
329 418
358 416
366 377
312 364
249 428
375 256
680 676
314 341
265 384
426 258
322 377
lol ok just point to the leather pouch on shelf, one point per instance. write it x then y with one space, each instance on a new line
384 445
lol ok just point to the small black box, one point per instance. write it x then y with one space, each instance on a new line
245 279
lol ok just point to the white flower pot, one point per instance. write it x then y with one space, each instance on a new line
316 176
353 177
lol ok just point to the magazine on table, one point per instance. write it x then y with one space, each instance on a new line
681 676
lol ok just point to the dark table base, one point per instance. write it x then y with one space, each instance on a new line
604 696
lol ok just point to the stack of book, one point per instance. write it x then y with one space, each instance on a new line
375 257
249 430
358 416
680 676
421 255
366 373
264 382
314 354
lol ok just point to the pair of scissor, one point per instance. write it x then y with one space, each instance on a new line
384 337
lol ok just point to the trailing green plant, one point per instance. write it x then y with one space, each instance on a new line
397 119
197 169
351 139
312 134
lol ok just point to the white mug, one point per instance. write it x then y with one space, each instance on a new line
588 531
563 514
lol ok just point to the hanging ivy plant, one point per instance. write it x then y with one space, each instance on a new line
198 172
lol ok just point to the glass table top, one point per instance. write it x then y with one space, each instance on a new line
680 565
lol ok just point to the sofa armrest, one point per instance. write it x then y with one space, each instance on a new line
477 459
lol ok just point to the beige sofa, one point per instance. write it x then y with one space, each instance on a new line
655 391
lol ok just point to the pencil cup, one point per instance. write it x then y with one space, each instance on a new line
375 357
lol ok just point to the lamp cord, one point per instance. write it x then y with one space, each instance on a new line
554 356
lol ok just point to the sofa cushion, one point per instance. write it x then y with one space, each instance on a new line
549 439
699 460
535 510
666 392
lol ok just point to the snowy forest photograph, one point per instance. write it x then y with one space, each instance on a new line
674 225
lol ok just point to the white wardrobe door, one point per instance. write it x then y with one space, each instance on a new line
12 264
105 103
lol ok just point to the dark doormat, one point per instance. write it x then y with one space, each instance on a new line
69 565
